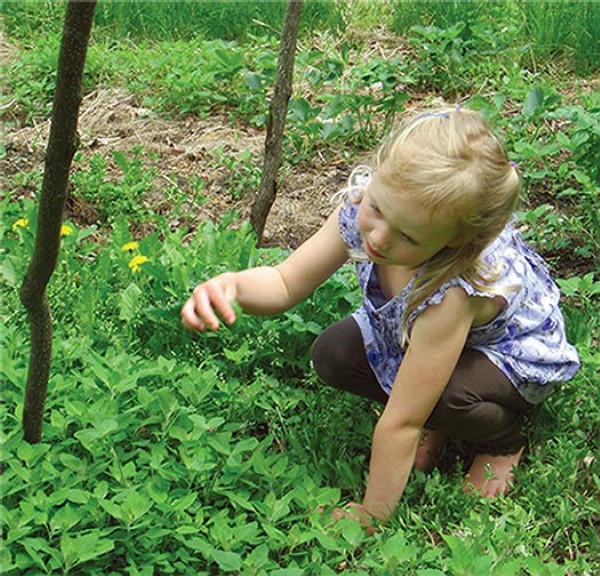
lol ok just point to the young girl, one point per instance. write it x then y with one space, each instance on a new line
459 332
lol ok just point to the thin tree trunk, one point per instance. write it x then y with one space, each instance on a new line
277 116
62 144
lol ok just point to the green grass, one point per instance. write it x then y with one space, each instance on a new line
563 29
169 453
160 20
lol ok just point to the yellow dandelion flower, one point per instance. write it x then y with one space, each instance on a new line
20 223
137 261
130 246
65 230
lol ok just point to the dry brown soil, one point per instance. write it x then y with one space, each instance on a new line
111 120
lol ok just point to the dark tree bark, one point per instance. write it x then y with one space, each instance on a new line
277 115
62 144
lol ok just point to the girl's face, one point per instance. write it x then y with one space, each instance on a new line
398 230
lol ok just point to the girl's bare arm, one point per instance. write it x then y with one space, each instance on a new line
437 340
266 289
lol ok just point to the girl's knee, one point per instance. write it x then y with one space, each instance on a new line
325 358
454 404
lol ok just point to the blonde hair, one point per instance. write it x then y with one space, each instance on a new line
451 160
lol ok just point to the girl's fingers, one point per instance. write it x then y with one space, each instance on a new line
204 309
189 318
221 301
359 513
198 313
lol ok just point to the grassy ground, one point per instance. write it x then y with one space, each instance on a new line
166 453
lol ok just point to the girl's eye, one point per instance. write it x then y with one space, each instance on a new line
408 239
374 208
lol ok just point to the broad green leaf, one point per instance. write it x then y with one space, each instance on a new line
30 453
158 489
533 102
8 273
78 496
398 549
81 549
228 561
65 518
245 445
129 302
352 532
239 500
135 505
184 502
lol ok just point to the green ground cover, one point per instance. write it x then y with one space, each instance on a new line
171 453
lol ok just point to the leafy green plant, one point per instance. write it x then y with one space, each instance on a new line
243 173
407 14
582 293
31 79
358 113
444 51
112 199
583 137
372 94
32 17
561 164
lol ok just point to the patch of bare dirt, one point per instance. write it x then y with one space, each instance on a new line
183 153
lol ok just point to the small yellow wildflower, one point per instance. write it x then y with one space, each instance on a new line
20 223
137 261
65 230
130 246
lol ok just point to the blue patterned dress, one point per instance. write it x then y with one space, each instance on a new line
526 340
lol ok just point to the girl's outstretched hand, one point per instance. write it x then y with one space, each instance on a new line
209 298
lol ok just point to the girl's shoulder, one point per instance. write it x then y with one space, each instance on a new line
510 262
508 269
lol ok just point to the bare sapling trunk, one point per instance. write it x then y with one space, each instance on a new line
62 144
277 116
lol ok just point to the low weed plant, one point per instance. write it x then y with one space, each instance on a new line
169 452
123 196
407 13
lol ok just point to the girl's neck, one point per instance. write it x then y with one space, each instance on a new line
393 278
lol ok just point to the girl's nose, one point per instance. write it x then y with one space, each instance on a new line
380 238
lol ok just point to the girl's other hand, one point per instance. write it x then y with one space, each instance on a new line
207 299
358 512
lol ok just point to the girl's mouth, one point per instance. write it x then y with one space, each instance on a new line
372 252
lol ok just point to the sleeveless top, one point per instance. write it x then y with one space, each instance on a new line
526 340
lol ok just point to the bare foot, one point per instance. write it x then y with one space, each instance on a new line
429 449
492 476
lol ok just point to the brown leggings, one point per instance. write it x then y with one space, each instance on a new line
479 404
